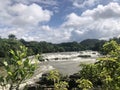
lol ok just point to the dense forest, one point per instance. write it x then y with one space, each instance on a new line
35 47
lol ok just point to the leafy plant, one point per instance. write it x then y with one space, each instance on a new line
105 73
18 68
54 75
84 84
62 85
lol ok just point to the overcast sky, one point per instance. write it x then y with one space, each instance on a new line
59 21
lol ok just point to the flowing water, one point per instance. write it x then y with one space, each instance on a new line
68 62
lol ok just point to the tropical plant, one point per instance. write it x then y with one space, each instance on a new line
17 69
109 66
62 85
105 73
84 84
54 76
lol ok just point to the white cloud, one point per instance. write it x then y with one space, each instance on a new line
45 2
84 3
29 15
73 20
24 15
101 22
111 10
28 21
19 32
91 3
3 4
25 21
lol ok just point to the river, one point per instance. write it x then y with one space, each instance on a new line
68 62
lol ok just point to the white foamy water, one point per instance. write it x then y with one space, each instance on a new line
68 62
69 55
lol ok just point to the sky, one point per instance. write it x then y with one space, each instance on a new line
59 21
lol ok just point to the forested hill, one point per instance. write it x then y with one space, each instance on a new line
35 47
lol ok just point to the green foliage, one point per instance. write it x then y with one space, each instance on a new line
106 71
18 68
89 44
84 84
71 46
62 85
6 45
110 66
111 47
54 75
35 47
55 80
12 36
90 72
98 46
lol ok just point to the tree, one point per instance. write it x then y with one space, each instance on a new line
89 44
109 66
17 69
90 72
12 36
111 47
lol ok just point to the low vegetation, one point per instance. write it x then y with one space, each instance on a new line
16 70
